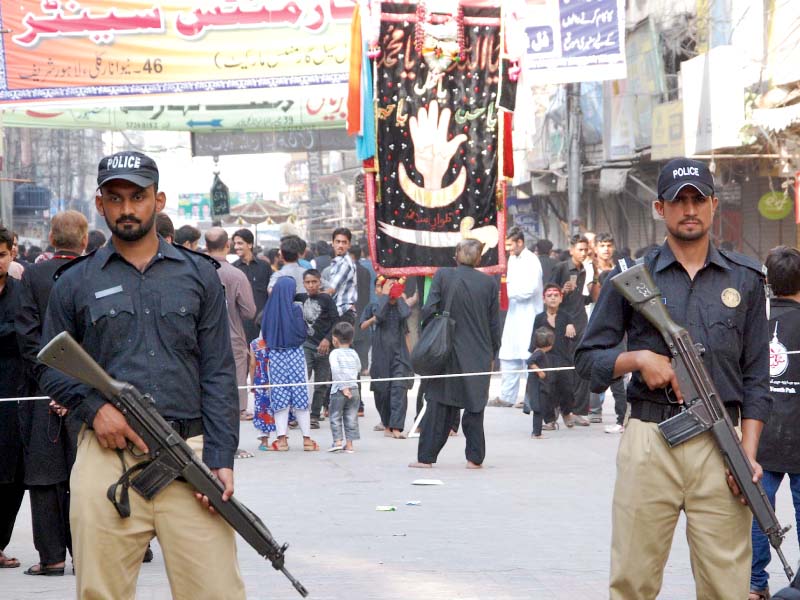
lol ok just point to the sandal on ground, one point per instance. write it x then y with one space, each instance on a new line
277 446
7 562
398 435
245 415
240 453
40 569
758 595
378 427
310 446
264 447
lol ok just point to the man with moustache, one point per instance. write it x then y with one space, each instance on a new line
154 315
718 296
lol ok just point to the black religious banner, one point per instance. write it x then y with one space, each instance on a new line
438 181
220 198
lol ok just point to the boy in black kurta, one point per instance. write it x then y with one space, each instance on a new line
539 390
560 323
390 356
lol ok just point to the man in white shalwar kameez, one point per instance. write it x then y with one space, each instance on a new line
524 285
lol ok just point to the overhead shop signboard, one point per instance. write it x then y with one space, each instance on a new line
249 142
574 40
67 50
287 109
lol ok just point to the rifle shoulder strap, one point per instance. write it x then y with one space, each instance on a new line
123 505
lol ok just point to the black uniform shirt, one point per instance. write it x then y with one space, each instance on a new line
165 330
735 338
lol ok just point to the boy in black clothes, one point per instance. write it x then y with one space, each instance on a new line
539 390
390 355
320 314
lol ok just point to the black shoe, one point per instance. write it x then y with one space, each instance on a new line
148 555
314 424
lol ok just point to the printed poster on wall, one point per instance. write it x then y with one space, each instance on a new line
438 134
83 49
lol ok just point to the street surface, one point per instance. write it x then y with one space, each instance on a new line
535 523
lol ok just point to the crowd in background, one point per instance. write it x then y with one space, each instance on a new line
319 313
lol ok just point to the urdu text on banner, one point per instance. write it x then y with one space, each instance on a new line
65 50
574 40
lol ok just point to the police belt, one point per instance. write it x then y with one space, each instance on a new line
186 428
656 412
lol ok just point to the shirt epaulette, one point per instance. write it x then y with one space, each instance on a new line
210 259
745 261
68 265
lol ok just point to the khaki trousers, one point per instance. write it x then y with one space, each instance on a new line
199 548
654 483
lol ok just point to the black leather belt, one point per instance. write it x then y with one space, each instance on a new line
654 412
186 428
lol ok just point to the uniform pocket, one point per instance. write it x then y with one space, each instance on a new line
113 319
725 330
179 322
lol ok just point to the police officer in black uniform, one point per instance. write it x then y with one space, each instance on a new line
154 315
719 297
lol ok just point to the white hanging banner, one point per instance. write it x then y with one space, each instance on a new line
574 40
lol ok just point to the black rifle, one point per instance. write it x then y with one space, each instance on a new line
170 456
703 409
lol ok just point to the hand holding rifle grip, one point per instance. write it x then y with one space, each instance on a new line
701 396
171 455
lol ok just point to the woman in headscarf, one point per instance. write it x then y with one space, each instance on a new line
283 330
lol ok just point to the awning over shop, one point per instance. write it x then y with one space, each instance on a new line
612 181
776 119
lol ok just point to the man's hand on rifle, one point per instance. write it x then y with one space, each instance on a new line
225 477
751 434
657 372
113 431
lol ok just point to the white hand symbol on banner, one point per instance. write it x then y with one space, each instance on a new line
432 155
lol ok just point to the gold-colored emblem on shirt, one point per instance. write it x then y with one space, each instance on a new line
731 297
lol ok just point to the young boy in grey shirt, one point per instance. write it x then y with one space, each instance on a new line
345 367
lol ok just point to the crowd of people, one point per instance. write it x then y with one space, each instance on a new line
301 324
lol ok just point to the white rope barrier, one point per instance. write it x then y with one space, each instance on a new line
367 379
364 380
